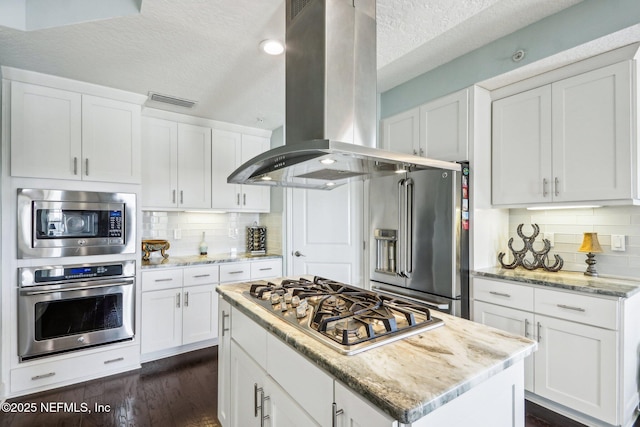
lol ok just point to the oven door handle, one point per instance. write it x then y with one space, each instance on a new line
74 287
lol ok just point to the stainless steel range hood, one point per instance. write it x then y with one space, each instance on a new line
331 116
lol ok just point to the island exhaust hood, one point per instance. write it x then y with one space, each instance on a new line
330 103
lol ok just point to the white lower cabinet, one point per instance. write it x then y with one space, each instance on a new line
264 389
581 350
179 307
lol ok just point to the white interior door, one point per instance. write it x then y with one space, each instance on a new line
326 233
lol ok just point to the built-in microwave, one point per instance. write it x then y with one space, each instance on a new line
55 223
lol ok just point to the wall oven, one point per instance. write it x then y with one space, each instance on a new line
72 307
55 223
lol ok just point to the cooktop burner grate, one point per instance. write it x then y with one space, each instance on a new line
347 318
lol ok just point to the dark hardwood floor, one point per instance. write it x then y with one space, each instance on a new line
177 391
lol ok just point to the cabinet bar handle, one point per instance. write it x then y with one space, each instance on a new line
181 197
415 152
263 398
500 294
421 151
544 187
119 359
255 399
224 316
244 199
178 300
186 299
201 275
163 280
568 307
334 414
539 327
556 186
75 166
86 167
236 272
238 199
173 196
266 269
526 328
39 377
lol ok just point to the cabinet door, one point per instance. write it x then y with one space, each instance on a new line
401 133
110 140
510 320
46 132
224 362
283 410
161 320
247 378
226 156
521 148
356 411
576 366
200 313
254 197
194 166
159 163
444 127
592 135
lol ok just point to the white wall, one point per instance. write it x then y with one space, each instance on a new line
568 226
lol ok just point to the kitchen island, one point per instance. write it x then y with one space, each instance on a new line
462 372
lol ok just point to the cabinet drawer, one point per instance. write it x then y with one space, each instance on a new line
264 269
81 367
250 336
161 279
503 293
236 272
577 308
201 275
282 361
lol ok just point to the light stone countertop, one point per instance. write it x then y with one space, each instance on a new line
409 378
156 261
569 280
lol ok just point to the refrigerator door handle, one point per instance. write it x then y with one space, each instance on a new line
402 232
408 241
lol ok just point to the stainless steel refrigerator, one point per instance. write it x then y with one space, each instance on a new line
419 236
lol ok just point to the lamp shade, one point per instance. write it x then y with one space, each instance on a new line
590 243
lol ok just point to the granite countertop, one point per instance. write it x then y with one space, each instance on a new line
569 280
408 378
181 261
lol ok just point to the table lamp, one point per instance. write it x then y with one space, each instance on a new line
591 246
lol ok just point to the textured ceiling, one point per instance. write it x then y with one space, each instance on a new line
207 50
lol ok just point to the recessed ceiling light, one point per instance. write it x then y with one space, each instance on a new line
330 184
272 47
327 161
266 178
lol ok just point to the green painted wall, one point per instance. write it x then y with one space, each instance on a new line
579 24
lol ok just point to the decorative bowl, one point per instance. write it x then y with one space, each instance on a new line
149 246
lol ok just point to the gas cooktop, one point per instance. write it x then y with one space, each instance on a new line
346 318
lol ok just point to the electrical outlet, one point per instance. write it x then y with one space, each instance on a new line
618 242
551 238
177 234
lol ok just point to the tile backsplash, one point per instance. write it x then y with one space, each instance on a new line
224 232
568 226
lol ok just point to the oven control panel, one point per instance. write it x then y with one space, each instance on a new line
30 276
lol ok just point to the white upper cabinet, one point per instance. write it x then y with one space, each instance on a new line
76 136
230 150
437 130
522 148
48 122
444 127
176 166
194 166
569 141
401 133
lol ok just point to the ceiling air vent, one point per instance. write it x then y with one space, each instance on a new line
297 6
166 99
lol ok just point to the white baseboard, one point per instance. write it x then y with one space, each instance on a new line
174 351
